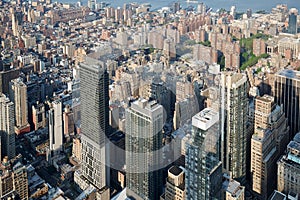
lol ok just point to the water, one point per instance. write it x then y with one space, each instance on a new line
241 5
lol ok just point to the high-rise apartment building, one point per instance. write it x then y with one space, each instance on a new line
18 95
233 123
20 181
286 91
271 134
143 140
203 168
7 132
288 174
55 127
94 123
13 178
6 179
259 47
175 186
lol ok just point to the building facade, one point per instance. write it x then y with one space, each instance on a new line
55 128
94 122
288 174
18 95
203 168
7 121
287 93
143 140
233 123
271 134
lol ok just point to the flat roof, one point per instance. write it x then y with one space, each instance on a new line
205 119
175 170
278 196
289 73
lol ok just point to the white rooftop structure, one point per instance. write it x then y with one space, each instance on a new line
205 119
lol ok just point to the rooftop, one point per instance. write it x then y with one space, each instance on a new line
175 170
278 196
234 188
205 119
297 137
294 146
266 98
288 73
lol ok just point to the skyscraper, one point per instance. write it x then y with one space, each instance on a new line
293 28
55 128
7 132
18 95
203 168
92 4
286 92
14 22
94 122
233 127
270 137
143 140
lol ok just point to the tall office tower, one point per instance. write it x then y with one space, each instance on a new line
92 4
55 128
286 91
143 140
201 8
233 123
288 174
203 168
18 95
7 132
14 22
175 186
271 135
94 122
293 28
20 181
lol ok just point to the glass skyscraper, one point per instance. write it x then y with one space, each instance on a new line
203 168
233 124
292 23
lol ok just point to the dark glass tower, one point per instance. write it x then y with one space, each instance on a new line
292 23
286 93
